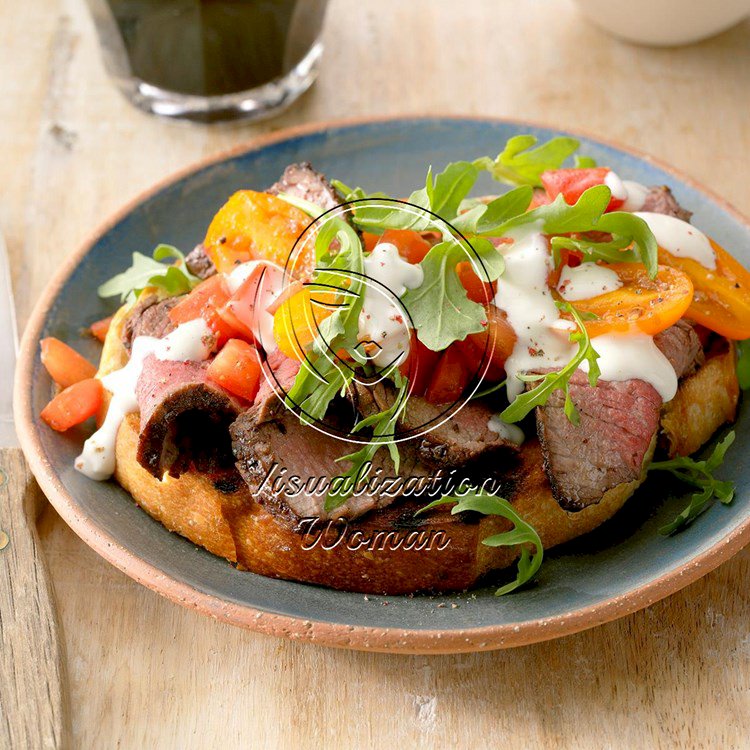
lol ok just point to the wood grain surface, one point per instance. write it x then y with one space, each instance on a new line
33 688
145 673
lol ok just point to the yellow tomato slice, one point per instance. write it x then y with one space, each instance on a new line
258 226
641 304
296 320
721 300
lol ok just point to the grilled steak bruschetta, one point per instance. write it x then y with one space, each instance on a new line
394 396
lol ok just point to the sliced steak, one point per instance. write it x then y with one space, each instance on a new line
279 374
184 419
302 181
199 264
659 200
608 447
282 448
442 439
682 347
149 317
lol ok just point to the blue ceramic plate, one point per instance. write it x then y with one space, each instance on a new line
621 567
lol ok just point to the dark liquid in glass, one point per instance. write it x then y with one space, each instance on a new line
215 47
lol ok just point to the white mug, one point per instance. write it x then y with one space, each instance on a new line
664 22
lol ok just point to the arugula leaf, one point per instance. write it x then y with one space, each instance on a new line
482 217
522 534
559 217
614 251
626 230
623 225
701 475
559 380
743 363
587 215
383 429
449 188
584 162
442 195
521 164
316 384
323 374
174 279
440 308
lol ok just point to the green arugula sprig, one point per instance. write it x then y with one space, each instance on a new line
559 380
627 231
440 308
522 162
700 474
322 375
172 279
522 534
383 425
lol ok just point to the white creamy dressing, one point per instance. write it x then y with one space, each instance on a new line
542 335
680 238
634 356
270 284
510 432
586 281
382 319
616 186
523 294
636 195
190 341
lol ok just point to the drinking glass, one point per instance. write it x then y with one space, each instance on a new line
211 60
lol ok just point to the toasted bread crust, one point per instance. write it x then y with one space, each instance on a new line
389 551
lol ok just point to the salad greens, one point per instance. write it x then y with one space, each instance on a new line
172 279
338 278
383 425
558 380
522 534
700 474
440 308
522 162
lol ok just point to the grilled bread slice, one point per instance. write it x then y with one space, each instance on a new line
389 551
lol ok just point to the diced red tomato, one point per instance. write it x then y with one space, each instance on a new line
492 347
476 289
540 198
100 328
74 405
254 297
451 376
65 365
411 246
419 366
205 301
369 240
573 183
237 368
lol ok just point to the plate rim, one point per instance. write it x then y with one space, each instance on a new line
341 635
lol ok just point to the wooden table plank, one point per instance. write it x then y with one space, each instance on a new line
147 673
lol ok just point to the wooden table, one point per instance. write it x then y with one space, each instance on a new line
146 673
